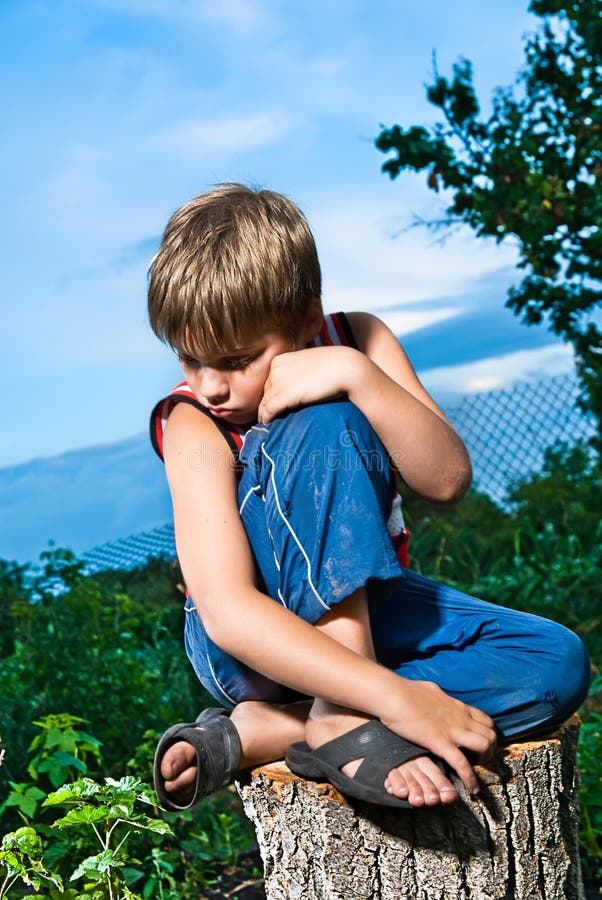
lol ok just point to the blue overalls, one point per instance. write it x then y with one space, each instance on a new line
314 498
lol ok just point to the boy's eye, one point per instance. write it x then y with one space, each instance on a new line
189 361
238 362
230 363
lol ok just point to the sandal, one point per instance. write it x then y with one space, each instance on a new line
381 750
218 752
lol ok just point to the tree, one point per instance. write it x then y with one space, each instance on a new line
532 172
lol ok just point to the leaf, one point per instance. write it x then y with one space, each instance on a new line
63 759
158 826
83 789
24 839
26 800
127 783
13 863
21 856
87 815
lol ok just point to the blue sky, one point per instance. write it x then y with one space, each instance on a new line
117 111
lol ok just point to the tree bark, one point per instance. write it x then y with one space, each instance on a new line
518 841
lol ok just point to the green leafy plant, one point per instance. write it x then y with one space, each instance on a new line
21 860
109 839
119 665
590 770
106 811
61 751
109 811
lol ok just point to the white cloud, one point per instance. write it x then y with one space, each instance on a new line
221 135
366 268
401 322
499 371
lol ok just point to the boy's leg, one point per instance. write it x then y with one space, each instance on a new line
314 500
528 673
420 780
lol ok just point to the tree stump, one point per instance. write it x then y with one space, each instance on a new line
518 841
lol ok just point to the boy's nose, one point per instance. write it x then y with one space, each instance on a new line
214 385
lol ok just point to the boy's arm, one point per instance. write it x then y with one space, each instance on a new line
219 571
380 380
423 445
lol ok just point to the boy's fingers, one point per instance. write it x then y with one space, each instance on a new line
481 717
456 759
482 746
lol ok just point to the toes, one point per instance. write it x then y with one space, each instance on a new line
439 787
183 783
396 784
179 757
420 789
181 786
422 783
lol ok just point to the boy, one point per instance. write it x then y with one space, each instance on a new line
279 450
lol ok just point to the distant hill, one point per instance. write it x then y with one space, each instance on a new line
81 498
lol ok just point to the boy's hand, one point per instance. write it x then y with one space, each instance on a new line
307 376
427 716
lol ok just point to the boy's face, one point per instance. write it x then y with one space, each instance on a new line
231 385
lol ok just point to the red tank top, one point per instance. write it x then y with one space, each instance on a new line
334 331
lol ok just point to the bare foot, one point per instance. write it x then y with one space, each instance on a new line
179 770
265 733
419 781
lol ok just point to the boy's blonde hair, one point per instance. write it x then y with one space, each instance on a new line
233 264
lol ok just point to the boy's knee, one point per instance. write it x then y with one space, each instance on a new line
329 416
574 673
334 435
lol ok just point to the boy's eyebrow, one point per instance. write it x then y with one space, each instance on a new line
243 349
238 351
224 354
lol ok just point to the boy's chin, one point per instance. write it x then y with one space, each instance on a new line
238 418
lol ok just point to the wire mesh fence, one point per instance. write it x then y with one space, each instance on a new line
507 431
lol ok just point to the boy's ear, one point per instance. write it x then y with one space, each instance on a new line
314 319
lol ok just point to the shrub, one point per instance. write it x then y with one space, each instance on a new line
106 838
81 643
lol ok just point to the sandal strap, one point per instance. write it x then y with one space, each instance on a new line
374 743
218 752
